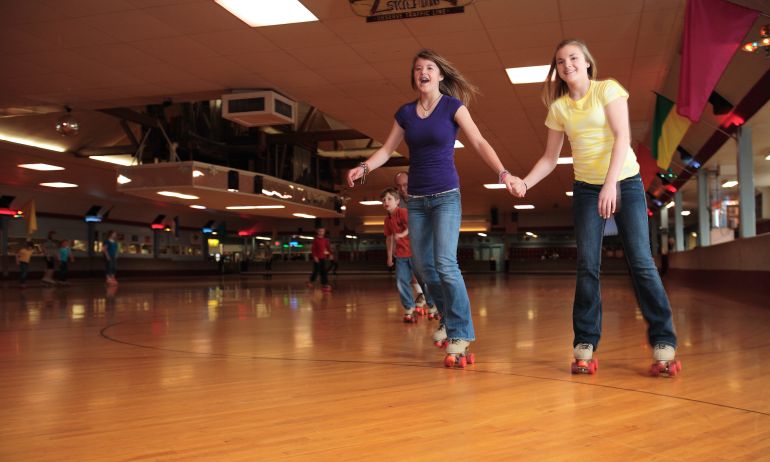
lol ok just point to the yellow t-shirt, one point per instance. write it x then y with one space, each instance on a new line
586 125
24 254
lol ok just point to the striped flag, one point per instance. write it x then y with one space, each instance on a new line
668 129
30 216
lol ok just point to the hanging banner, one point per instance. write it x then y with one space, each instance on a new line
386 10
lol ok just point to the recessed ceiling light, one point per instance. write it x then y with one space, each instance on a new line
199 207
197 173
258 13
458 144
482 234
524 207
370 202
263 238
303 215
123 179
252 207
59 184
569 193
564 160
178 195
729 184
528 74
126 160
41 167
686 213
494 185
33 143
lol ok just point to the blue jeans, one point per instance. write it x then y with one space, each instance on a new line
434 229
631 218
23 268
404 281
111 266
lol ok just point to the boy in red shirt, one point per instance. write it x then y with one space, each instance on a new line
321 250
397 225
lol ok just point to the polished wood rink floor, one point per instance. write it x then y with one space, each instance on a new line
246 369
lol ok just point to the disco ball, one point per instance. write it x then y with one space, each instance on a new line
67 125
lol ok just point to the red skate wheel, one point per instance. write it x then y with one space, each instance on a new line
592 368
449 361
596 362
463 362
679 365
655 370
575 369
673 368
471 358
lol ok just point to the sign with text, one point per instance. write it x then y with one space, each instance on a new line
386 10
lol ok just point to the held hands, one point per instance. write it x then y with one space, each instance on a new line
517 187
608 200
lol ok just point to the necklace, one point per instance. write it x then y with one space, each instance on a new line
427 110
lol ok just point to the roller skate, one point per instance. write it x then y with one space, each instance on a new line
439 337
663 355
418 310
457 353
585 363
433 314
420 301
410 316
327 288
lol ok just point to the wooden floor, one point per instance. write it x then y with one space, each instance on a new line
269 370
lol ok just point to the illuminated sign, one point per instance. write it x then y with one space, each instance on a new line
376 10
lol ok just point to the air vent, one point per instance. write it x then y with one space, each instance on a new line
260 108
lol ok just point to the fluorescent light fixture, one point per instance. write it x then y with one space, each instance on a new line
199 207
458 144
59 184
34 144
343 208
531 234
253 207
729 184
178 195
370 203
307 238
277 194
258 13
694 234
41 167
564 161
482 234
263 238
494 185
350 236
528 74
524 207
303 215
670 204
125 160
123 179
569 193
197 173
686 213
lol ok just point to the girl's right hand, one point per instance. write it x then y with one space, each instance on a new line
354 174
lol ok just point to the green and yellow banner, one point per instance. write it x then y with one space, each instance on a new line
668 129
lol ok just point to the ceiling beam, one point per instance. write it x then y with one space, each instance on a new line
316 136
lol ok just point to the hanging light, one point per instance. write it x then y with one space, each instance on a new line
763 42
67 125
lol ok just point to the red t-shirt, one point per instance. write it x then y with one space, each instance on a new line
321 248
398 222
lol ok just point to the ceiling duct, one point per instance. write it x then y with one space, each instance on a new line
259 108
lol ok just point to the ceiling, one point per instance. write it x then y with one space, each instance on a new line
91 54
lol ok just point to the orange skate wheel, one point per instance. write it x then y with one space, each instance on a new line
471 358
449 361
463 361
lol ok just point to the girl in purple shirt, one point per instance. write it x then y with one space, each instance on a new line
430 125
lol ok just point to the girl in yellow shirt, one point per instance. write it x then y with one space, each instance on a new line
594 116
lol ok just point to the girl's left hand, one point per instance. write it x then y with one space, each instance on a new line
608 200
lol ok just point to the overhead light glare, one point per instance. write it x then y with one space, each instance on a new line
670 204
59 184
564 160
125 160
370 202
458 144
123 179
263 238
303 215
729 184
33 143
178 195
41 167
482 234
569 193
199 207
253 207
268 13
686 213
527 74
494 185
524 207
197 173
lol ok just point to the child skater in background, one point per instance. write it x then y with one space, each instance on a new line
397 234
594 116
321 250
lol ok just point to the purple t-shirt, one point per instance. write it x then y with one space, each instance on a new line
431 144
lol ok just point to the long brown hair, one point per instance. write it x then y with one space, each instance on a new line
454 83
554 87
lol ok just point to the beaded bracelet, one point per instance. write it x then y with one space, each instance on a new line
366 170
501 175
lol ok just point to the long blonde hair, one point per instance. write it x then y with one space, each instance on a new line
454 83
554 87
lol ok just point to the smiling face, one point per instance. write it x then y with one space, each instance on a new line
571 64
426 75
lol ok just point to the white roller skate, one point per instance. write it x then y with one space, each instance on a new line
433 313
410 316
457 353
664 356
585 363
439 337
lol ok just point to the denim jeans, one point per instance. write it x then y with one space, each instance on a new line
434 229
111 266
320 268
404 281
23 268
631 218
